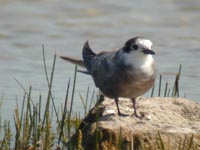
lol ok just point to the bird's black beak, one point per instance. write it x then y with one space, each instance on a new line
148 51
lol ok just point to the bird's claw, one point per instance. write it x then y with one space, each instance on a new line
141 116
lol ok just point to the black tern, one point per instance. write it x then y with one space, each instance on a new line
128 72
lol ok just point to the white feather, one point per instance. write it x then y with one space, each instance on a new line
140 61
145 43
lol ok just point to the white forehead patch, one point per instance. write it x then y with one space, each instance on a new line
145 43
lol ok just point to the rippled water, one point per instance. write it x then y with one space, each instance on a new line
63 27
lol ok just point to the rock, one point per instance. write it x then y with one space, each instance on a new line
170 121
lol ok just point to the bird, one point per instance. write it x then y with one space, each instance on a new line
127 72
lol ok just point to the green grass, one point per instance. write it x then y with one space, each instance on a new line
33 128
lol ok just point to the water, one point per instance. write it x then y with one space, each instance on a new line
64 26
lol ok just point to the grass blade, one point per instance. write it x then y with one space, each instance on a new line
160 84
49 82
64 113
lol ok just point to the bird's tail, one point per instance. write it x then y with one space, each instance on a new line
78 62
88 55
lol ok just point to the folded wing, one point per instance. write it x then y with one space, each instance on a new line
88 56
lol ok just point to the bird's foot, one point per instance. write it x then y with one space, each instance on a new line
141 116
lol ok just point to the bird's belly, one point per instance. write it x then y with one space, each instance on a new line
135 88
127 89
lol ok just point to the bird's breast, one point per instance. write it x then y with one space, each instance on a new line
137 81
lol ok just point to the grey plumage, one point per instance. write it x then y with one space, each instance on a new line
128 72
88 56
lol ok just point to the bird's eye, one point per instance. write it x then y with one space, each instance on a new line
135 47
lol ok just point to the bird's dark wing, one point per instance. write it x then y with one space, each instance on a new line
103 70
88 56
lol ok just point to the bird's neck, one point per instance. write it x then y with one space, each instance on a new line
146 62
141 62
138 59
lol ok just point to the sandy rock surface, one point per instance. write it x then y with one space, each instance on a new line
173 118
171 114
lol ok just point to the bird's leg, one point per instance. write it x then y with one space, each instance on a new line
135 111
116 102
118 110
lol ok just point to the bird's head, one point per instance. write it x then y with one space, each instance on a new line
138 45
